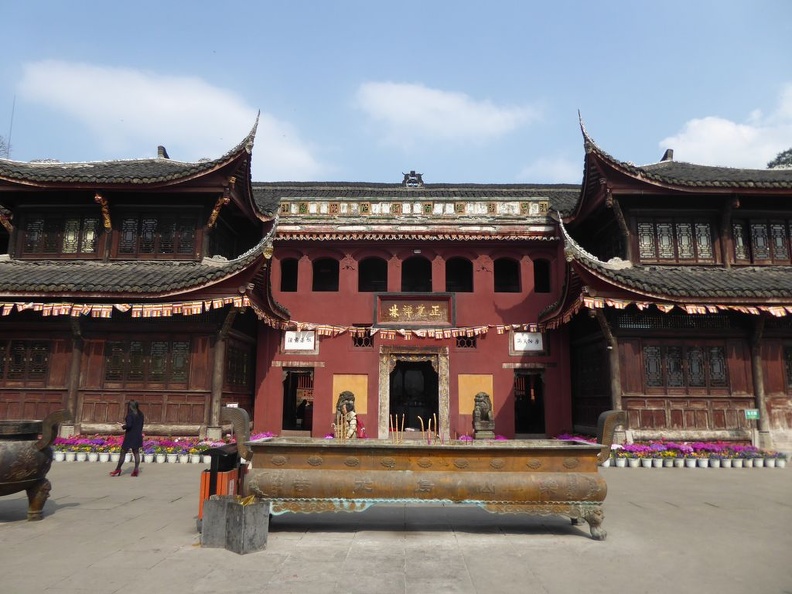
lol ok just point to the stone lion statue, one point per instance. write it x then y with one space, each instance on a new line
482 407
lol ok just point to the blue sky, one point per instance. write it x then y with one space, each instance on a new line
461 91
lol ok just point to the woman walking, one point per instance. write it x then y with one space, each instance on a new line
133 437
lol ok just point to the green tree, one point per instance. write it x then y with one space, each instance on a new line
783 160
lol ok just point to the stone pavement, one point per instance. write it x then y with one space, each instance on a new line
724 531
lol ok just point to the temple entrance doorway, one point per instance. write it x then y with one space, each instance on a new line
413 395
529 409
413 382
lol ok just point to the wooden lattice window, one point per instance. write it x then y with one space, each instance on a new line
762 241
788 366
675 240
239 366
24 361
155 361
466 342
154 235
60 235
362 338
681 367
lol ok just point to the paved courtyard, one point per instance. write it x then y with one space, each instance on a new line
724 531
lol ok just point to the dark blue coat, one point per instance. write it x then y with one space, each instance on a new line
133 426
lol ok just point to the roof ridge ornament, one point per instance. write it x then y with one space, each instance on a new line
413 179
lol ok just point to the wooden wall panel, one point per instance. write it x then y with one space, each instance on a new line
35 404
631 366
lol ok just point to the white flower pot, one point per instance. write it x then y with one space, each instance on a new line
748 463
621 462
758 462
195 458
679 462
184 458
104 456
770 462
634 462
737 462
59 455
715 462
161 458
703 462
172 458
93 456
148 458
646 462
726 463
70 456
668 462
690 462
657 462
781 463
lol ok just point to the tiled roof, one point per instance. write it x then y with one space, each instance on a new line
19 278
746 284
562 197
689 175
133 171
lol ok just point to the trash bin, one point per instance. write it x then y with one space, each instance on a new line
222 477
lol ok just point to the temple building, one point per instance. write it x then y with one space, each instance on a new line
140 279
664 290
678 297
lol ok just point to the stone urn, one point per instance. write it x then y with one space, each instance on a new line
26 457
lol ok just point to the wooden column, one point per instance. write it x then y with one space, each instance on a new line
214 429
758 382
612 344
73 386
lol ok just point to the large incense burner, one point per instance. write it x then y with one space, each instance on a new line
501 476
25 459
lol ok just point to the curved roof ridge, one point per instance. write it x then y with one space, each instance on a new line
573 250
148 170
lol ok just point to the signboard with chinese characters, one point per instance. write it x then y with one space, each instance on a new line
752 414
527 342
420 310
301 341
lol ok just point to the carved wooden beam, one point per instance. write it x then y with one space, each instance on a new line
102 202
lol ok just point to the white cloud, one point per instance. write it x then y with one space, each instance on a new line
130 112
718 141
413 113
552 171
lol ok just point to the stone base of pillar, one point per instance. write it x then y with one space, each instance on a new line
67 430
763 440
214 433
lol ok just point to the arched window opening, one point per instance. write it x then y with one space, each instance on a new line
541 276
416 275
459 275
372 275
507 276
288 275
325 275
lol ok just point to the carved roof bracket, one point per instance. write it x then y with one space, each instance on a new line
102 202
614 205
5 219
220 203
